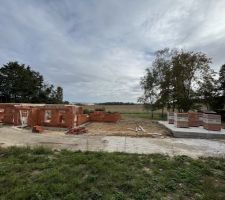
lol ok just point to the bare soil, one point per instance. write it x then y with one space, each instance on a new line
124 126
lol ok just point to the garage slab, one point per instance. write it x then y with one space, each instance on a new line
193 132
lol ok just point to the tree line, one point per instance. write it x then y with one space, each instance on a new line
21 84
116 103
182 80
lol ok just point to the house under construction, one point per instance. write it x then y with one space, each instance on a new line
50 115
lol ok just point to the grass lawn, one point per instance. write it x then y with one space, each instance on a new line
44 174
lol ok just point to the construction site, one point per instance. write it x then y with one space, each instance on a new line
70 119
66 126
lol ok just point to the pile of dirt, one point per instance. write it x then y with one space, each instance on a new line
127 127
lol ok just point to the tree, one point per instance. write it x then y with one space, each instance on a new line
188 70
208 92
18 83
176 76
222 79
148 84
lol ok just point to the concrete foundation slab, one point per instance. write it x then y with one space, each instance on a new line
193 132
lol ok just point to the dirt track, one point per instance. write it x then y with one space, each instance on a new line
10 136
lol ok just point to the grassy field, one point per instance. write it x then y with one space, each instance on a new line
44 174
119 108
130 111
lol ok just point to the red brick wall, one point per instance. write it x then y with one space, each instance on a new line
1 114
112 117
100 116
8 114
56 117
83 118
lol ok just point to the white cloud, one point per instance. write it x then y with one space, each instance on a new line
98 50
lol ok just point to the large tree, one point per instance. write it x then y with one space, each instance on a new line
189 69
19 83
222 79
178 76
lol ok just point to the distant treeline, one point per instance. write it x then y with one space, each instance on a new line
116 103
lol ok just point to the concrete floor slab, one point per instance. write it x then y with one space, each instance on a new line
193 132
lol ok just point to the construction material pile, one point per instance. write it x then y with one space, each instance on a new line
37 129
138 128
209 120
77 131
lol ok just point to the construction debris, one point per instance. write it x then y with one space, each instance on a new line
76 131
37 129
142 129
138 128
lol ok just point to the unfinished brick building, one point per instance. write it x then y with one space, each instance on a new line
54 115
51 115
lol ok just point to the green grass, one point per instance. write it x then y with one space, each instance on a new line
44 174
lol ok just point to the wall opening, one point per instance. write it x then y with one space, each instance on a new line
62 116
48 116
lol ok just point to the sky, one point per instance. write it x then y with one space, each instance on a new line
98 50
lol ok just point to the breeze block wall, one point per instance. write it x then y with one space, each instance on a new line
212 122
170 117
193 119
181 120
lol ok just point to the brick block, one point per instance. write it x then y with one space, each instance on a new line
200 119
37 129
193 119
212 122
181 120
170 117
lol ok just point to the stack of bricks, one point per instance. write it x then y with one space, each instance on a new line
200 119
212 122
193 119
170 117
181 120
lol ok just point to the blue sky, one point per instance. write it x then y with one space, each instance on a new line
97 50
